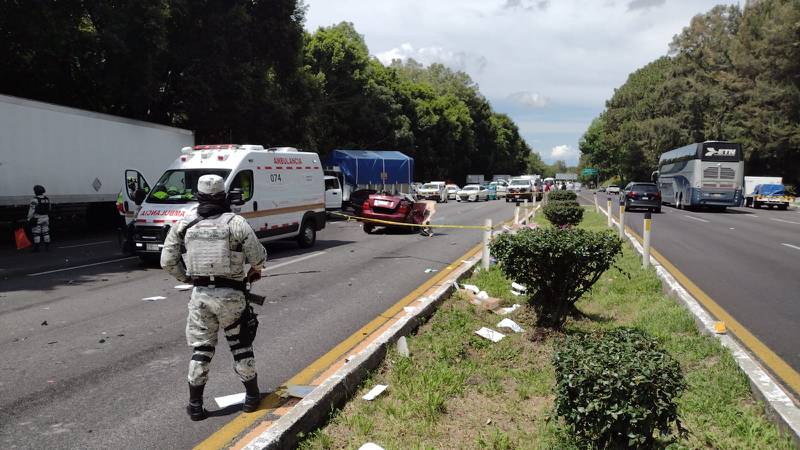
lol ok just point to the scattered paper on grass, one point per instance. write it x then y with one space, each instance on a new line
483 295
515 293
490 334
473 288
184 287
154 298
508 323
374 392
402 346
228 400
508 310
299 390
370 446
518 287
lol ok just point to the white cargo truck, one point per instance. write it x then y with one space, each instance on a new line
750 183
78 156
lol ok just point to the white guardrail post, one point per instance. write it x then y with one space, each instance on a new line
608 212
596 206
516 215
621 219
648 219
487 236
525 209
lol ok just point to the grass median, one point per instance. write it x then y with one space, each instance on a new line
459 390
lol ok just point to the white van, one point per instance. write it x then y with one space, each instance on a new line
283 194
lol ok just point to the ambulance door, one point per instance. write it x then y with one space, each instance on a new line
245 181
134 190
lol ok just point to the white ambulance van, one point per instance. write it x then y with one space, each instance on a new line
283 193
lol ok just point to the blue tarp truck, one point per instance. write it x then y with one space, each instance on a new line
380 170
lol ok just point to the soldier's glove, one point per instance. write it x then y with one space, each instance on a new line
253 275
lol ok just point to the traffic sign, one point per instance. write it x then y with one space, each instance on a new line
589 171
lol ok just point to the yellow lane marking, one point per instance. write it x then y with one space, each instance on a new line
231 430
774 362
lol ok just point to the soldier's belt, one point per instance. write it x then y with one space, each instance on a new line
239 285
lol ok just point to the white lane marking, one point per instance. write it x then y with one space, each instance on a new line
286 263
81 267
792 246
85 245
695 218
750 215
781 220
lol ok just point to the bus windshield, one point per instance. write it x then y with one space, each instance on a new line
180 186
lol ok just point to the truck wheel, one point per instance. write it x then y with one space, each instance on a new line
783 207
756 205
308 234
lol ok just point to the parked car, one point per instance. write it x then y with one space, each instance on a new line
400 208
435 190
642 195
500 187
601 189
473 193
612 189
452 191
520 189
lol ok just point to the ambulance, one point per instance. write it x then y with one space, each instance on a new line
282 193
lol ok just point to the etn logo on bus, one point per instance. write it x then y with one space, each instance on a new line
711 151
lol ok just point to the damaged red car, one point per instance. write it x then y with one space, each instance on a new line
398 208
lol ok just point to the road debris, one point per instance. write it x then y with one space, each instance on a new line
299 390
370 446
228 400
402 347
154 298
349 358
720 328
508 323
44 324
374 392
102 341
471 287
518 287
490 334
430 270
184 287
52 342
508 310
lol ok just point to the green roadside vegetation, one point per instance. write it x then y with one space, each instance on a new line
459 390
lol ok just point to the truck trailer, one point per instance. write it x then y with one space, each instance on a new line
378 170
79 156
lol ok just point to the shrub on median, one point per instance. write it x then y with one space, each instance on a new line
616 388
562 195
557 266
563 213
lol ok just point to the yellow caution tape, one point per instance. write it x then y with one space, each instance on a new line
402 224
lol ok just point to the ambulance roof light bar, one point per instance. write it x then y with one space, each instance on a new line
216 147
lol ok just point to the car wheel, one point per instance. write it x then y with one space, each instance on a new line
657 210
308 234
756 205
369 228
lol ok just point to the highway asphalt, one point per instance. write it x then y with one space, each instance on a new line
87 363
746 260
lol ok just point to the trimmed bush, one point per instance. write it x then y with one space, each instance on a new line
563 213
562 195
557 265
616 388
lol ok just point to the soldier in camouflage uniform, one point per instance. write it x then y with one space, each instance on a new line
39 218
217 301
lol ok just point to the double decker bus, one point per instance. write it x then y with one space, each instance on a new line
709 173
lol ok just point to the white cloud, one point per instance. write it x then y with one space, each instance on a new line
457 60
563 152
644 4
531 99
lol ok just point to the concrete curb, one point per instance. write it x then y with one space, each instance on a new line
779 406
338 388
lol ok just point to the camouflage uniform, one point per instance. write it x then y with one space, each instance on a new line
212 308
40 223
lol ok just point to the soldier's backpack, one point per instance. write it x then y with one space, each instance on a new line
208 251
42 206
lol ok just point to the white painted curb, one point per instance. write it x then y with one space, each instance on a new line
777 402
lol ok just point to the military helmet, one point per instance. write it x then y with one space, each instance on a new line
210 184
38 189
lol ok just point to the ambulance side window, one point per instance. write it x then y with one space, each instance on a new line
244 181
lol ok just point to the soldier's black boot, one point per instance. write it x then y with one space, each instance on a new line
195 407
36 248
47 246
252 396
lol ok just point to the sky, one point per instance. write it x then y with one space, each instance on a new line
549 64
